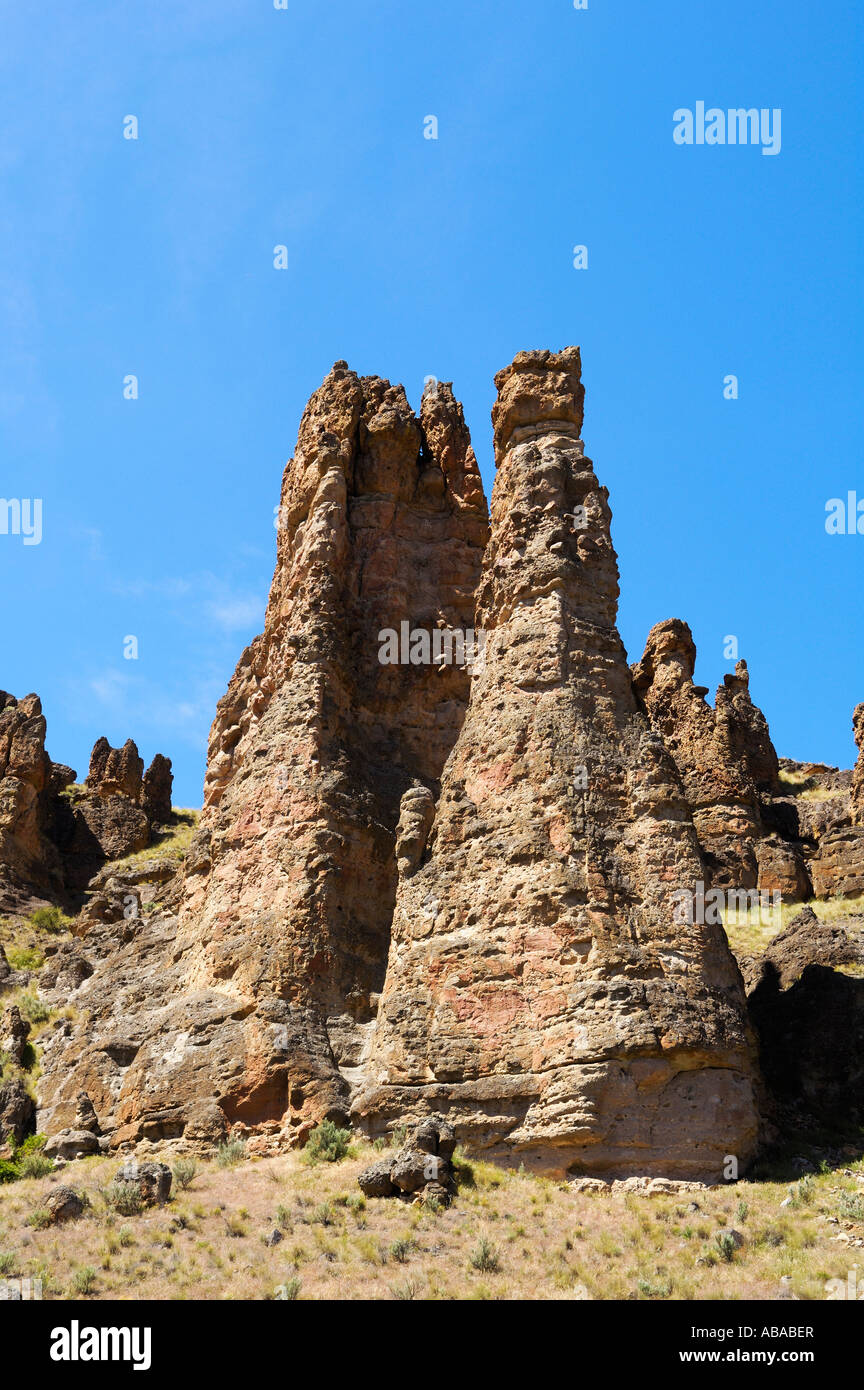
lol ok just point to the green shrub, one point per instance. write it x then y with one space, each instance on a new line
400 1250
25 957
327 1143
184 1171
124 1197
83 1280
8 1171
8 1261
725 1243
35 1165
485 1257
50 919
287 1293
229 1154
33 1144
32 1007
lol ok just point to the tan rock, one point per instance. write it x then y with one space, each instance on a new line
538 993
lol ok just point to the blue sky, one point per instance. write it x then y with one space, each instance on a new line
411 257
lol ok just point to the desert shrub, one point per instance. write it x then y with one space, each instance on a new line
232 1152
485 1257
8 1261
850 1206
83 1280
184 1171
327 1143
32 1007
8 1171
287 1292
50 919
124 1197
725 1243
34 1165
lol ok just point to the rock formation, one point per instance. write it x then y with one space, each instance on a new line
857 788
30 868
438 875
539 994
262 996
726 760
54 836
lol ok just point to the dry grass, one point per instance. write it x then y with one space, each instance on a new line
172 842
508 1235
750 932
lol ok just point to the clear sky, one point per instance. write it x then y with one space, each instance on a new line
407 256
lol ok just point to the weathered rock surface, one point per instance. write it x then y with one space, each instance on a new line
153 1181
422 1166
156 791
53 838
260 997
725 758
537 993
817 811
64 1204
30 869
17 1112
14 1032
857 788
72 1143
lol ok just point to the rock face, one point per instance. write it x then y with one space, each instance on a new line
710 750
53 839
30 868
262 996
538 994
857 789
727 763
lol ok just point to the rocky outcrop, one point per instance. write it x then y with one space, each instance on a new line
538 993
261 996
156 791
727 763
421 1169
113 815
54 836
707 748
30 868
857 788
816 810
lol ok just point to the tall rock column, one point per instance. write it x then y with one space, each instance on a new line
539 990
259 1001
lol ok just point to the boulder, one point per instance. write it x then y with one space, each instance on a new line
153 1181
72 1143
17 1113
64 1204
